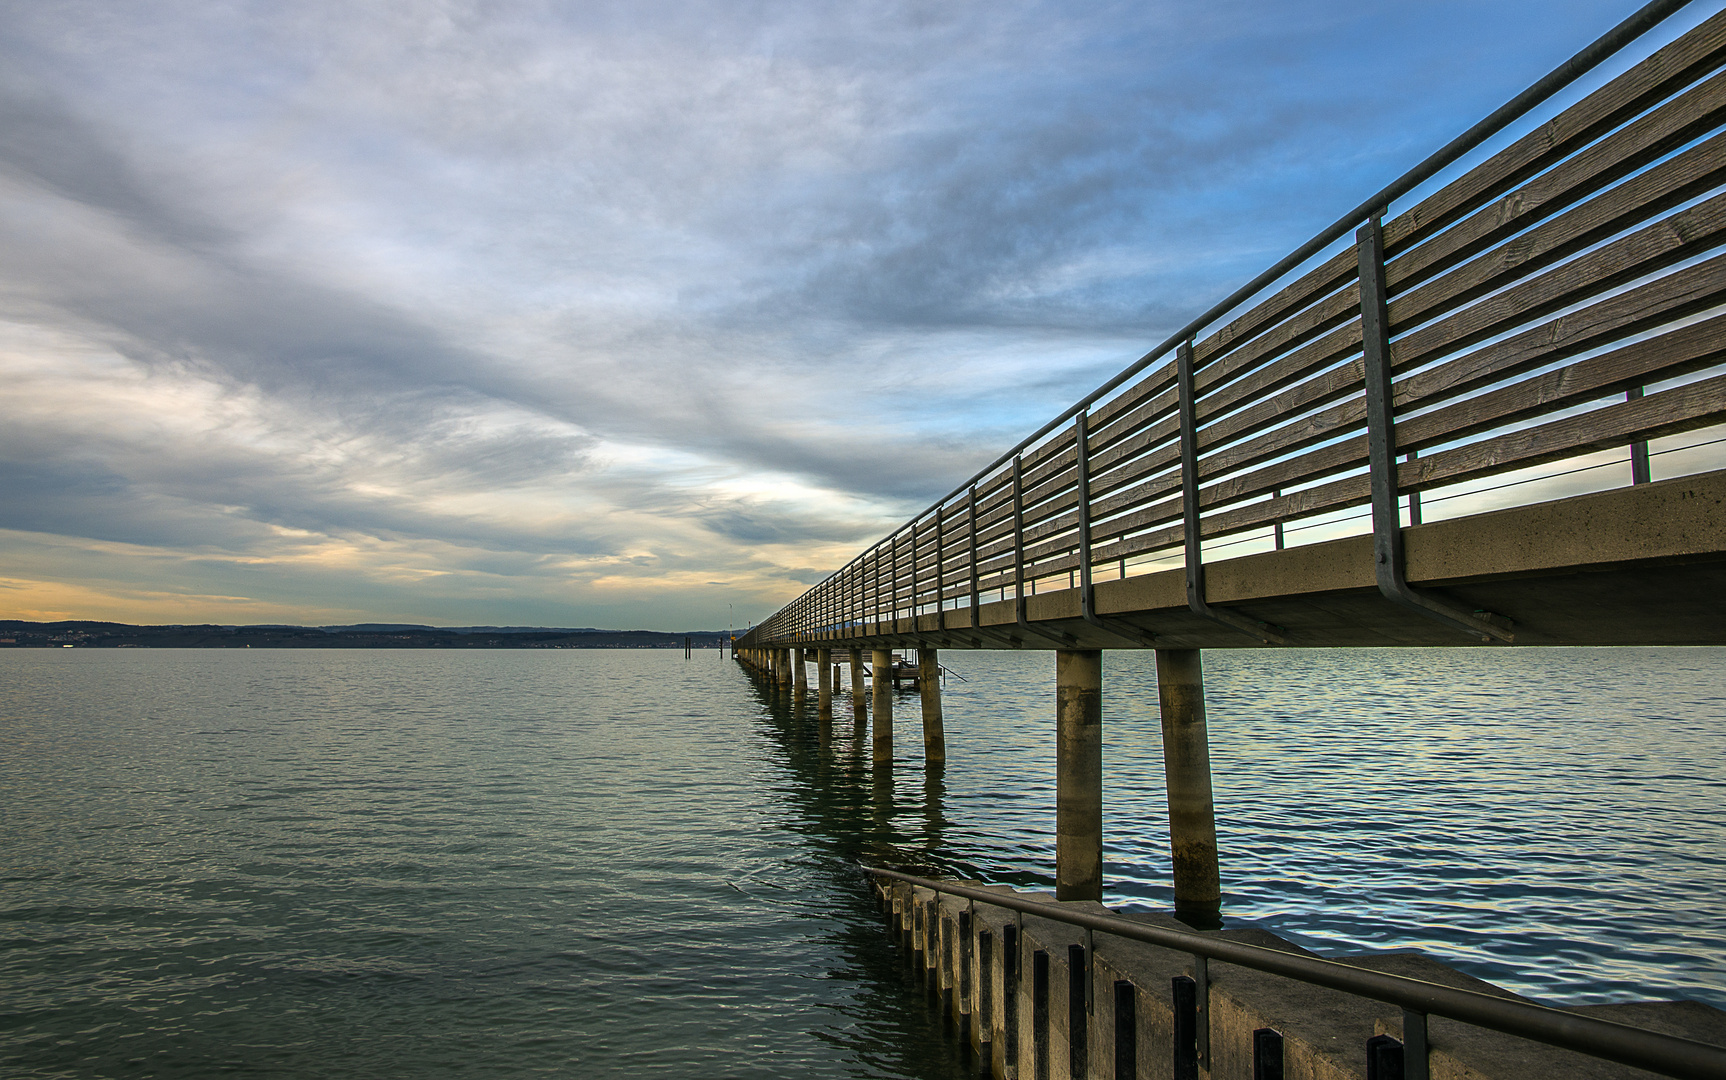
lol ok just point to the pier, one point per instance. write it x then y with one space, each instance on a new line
1373 443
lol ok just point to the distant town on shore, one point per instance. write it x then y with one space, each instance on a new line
15 634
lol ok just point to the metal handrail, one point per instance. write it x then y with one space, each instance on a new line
1590 57
1669 1055
1644 20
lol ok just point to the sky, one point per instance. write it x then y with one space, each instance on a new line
633 315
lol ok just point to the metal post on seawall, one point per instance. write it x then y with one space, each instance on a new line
1078 774
929 686
881 679
1267 1054
1406 1059
1187 771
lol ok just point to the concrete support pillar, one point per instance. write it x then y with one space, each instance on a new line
1078 774
1187 768
859 703
929 683
824 683
881 677
782 665
799 671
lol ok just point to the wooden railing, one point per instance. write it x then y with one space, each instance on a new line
1564 297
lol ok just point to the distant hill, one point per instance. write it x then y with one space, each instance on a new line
15 634
384 627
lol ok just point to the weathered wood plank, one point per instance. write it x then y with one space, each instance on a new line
1695 112
1661 301
1638 199
1288 319
1650 249
1106 436
1693 56
1678 294
1680 352
1668 412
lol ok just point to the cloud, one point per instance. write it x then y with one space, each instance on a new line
525 311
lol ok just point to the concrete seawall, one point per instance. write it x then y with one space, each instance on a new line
1038 999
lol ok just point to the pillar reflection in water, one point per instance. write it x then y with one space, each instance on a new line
859 703
934 807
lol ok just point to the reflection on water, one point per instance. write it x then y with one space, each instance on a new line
581 863
1548 819
352 864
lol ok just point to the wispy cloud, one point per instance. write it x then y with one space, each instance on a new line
515 312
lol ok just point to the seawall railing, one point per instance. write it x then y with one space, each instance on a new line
1405 1058
1565 297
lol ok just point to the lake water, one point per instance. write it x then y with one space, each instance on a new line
579 863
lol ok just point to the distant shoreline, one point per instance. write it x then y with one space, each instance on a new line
16 634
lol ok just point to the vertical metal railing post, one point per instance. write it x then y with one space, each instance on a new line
1202 1002
1018 540
872 593
1639 469
976 596
1183 1005
940 567
1388 556
893 580
1192 526
1019 561
1082 490
916 571
1413 496
1416 1062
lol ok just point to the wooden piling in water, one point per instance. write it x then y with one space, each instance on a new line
859 702
881 678
1078 774
929 685
1187 771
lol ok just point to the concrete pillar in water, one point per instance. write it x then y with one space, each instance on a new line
881 675
929 683
824 683
1187 768
799 672
1078 774
859 703
782 662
